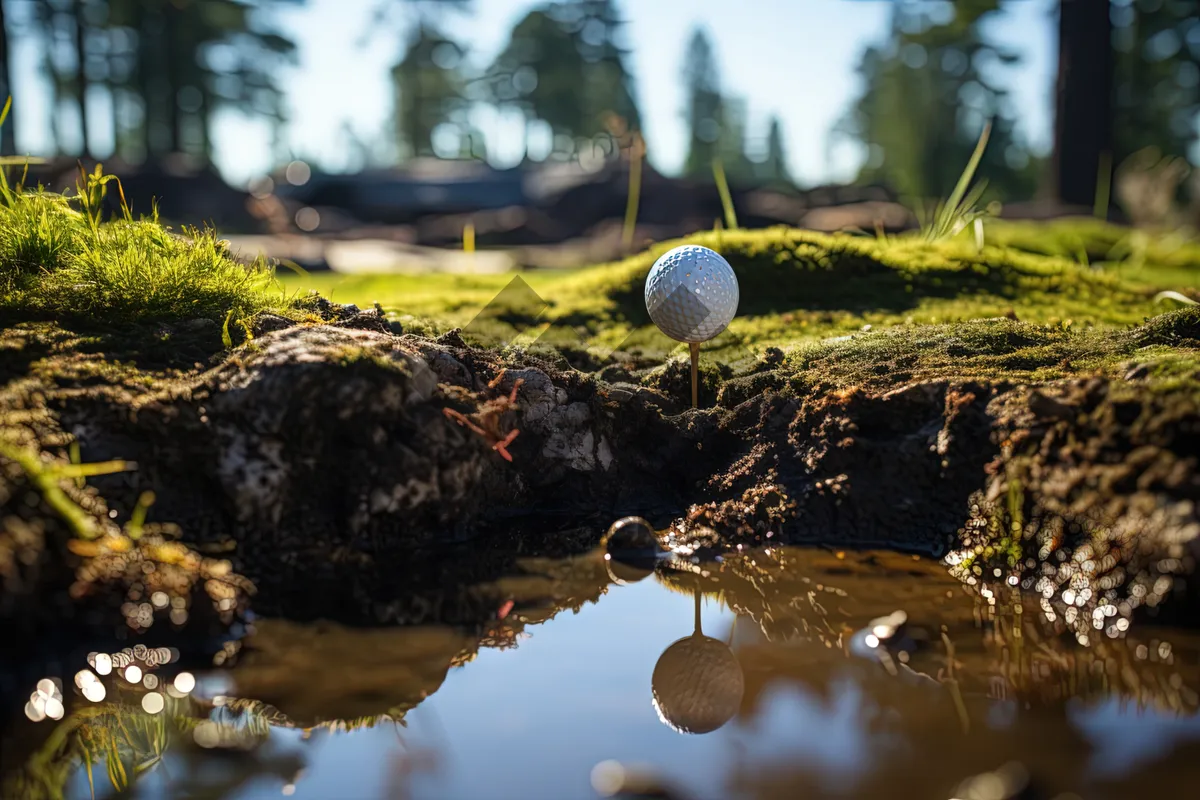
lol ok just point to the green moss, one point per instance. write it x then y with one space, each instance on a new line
797 288
783 269
1180 327
996 350
352 356
1090 240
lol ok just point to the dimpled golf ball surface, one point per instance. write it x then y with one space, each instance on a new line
691 293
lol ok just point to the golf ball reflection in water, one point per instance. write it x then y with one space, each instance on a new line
691 293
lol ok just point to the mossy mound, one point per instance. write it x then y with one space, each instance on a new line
786 269
797 287
998 350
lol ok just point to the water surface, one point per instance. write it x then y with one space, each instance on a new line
802 681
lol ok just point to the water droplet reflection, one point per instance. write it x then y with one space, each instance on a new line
152 702
185 682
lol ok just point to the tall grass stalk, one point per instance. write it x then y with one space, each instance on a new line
7 161
469 238
726 199
636 153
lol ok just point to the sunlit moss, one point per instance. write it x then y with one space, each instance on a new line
797 287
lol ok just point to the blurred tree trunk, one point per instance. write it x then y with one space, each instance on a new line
176 57
144 82
8 141
78 12
205 117
1083 129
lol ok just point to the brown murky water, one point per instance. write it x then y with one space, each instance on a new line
782 673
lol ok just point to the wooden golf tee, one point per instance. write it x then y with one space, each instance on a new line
695 348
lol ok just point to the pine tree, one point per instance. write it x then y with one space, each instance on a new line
165 83
564 65
731 144
1157 76
773 169
540 72
429 89
926 101
608 84
705 109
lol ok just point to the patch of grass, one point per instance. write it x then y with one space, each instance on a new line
57 261
447 299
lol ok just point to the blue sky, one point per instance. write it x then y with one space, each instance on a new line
795 58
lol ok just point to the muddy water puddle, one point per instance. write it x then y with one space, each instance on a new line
782 673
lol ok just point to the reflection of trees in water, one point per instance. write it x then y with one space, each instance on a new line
1002 649
963 687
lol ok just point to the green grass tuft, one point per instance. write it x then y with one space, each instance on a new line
58 261
959 209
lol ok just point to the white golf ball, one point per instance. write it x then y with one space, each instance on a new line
691 293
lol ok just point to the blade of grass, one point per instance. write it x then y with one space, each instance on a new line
726 199
959 205
76 459
76 470
1180 297
126 211
964 180
635 190
87 763
137 519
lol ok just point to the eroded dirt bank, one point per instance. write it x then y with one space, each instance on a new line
317 458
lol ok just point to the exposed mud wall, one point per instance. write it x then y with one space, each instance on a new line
319 457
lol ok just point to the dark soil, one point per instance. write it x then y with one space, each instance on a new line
320 457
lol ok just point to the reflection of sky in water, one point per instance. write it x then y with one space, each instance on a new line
1125 739
533 722
794 724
